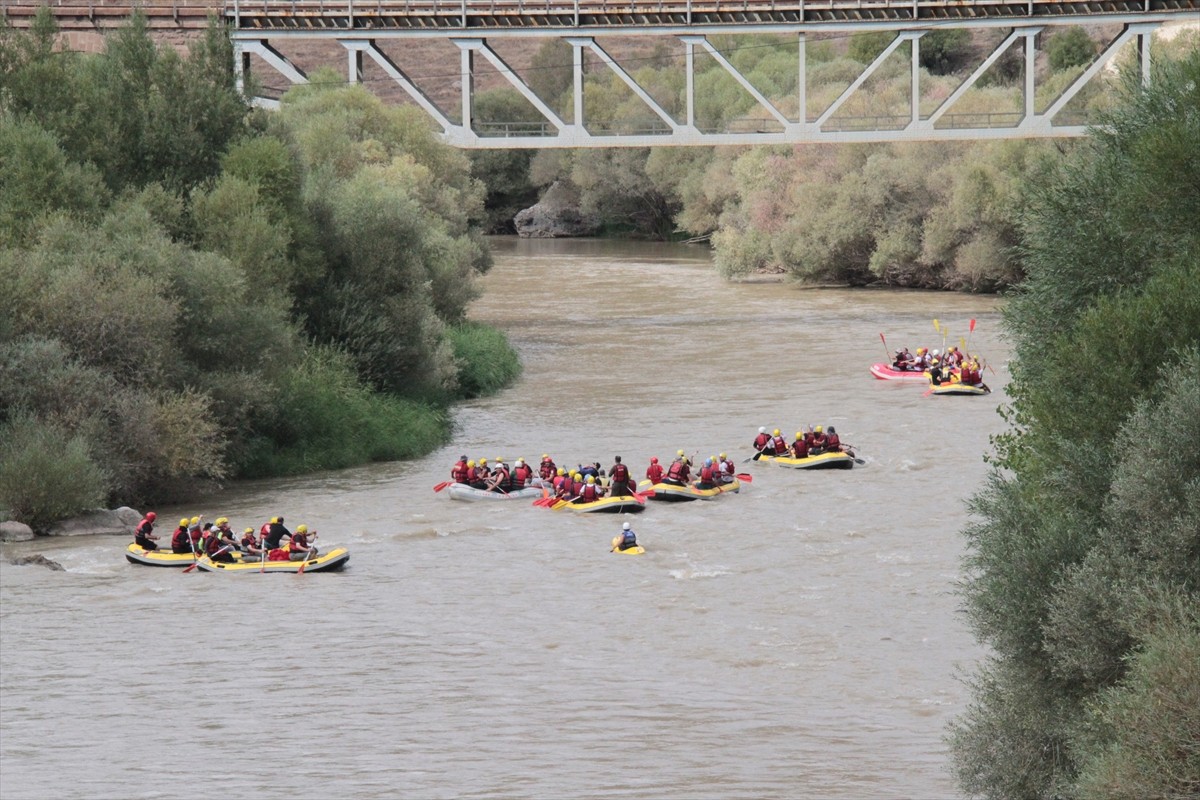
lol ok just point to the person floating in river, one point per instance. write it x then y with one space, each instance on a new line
627 539
143 534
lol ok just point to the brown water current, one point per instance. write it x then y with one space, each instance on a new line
799 639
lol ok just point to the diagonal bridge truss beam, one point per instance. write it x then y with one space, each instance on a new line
831 124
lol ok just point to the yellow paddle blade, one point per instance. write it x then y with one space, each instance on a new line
936 326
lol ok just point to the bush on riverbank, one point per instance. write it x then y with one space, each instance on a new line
196 291
1084 569
486 360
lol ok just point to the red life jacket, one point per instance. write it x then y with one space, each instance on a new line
655 473
547 469
278 554
800 448
760 441
460 473
521 475
264 530
779 444
678 471
567 487
619 473
706 473
505 478
833 442
558 481
590 493
179 539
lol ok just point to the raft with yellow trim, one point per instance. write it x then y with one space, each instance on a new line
674 493
954 387
136 554
636 550
332 561
627 504
828 460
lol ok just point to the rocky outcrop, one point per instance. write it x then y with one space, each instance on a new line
38 560
13 531
556 215
121 520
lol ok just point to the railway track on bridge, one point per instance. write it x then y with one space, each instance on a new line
495 15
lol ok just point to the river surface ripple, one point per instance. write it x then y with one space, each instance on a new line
799 640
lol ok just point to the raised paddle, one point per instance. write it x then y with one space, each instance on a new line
970 330
886 352
195 564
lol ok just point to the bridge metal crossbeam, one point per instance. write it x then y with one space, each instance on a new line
830 126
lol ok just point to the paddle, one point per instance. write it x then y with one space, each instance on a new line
442 485
304 563
886 353
745 477
970 330
849 451
195 564
754 457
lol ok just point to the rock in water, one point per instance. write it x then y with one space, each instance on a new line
556 215
39 560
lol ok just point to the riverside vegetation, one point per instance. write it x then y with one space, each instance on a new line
1083 573
931 215
194 290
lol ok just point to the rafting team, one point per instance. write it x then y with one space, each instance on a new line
217 540
941 368
587 483
810 442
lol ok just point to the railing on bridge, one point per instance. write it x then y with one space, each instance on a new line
367 15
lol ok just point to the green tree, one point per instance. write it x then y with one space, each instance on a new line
1085 564
1070 48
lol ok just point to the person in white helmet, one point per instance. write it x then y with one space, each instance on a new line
762 440
628 537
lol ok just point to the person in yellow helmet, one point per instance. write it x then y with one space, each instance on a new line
591 491
820 442
298 548
180 541
778 446
799 447
250 543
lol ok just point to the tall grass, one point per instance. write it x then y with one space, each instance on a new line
328 419
487 362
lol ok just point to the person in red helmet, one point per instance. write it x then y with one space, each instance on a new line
547 470
143 534
655 471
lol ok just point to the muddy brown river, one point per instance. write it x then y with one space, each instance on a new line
798 639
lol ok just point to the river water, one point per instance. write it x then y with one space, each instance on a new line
800 639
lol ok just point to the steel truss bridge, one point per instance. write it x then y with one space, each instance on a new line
360 26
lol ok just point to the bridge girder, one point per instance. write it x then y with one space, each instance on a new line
361 39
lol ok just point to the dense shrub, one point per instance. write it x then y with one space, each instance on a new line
46 473
326 418
487 362
1085 563
1070 47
